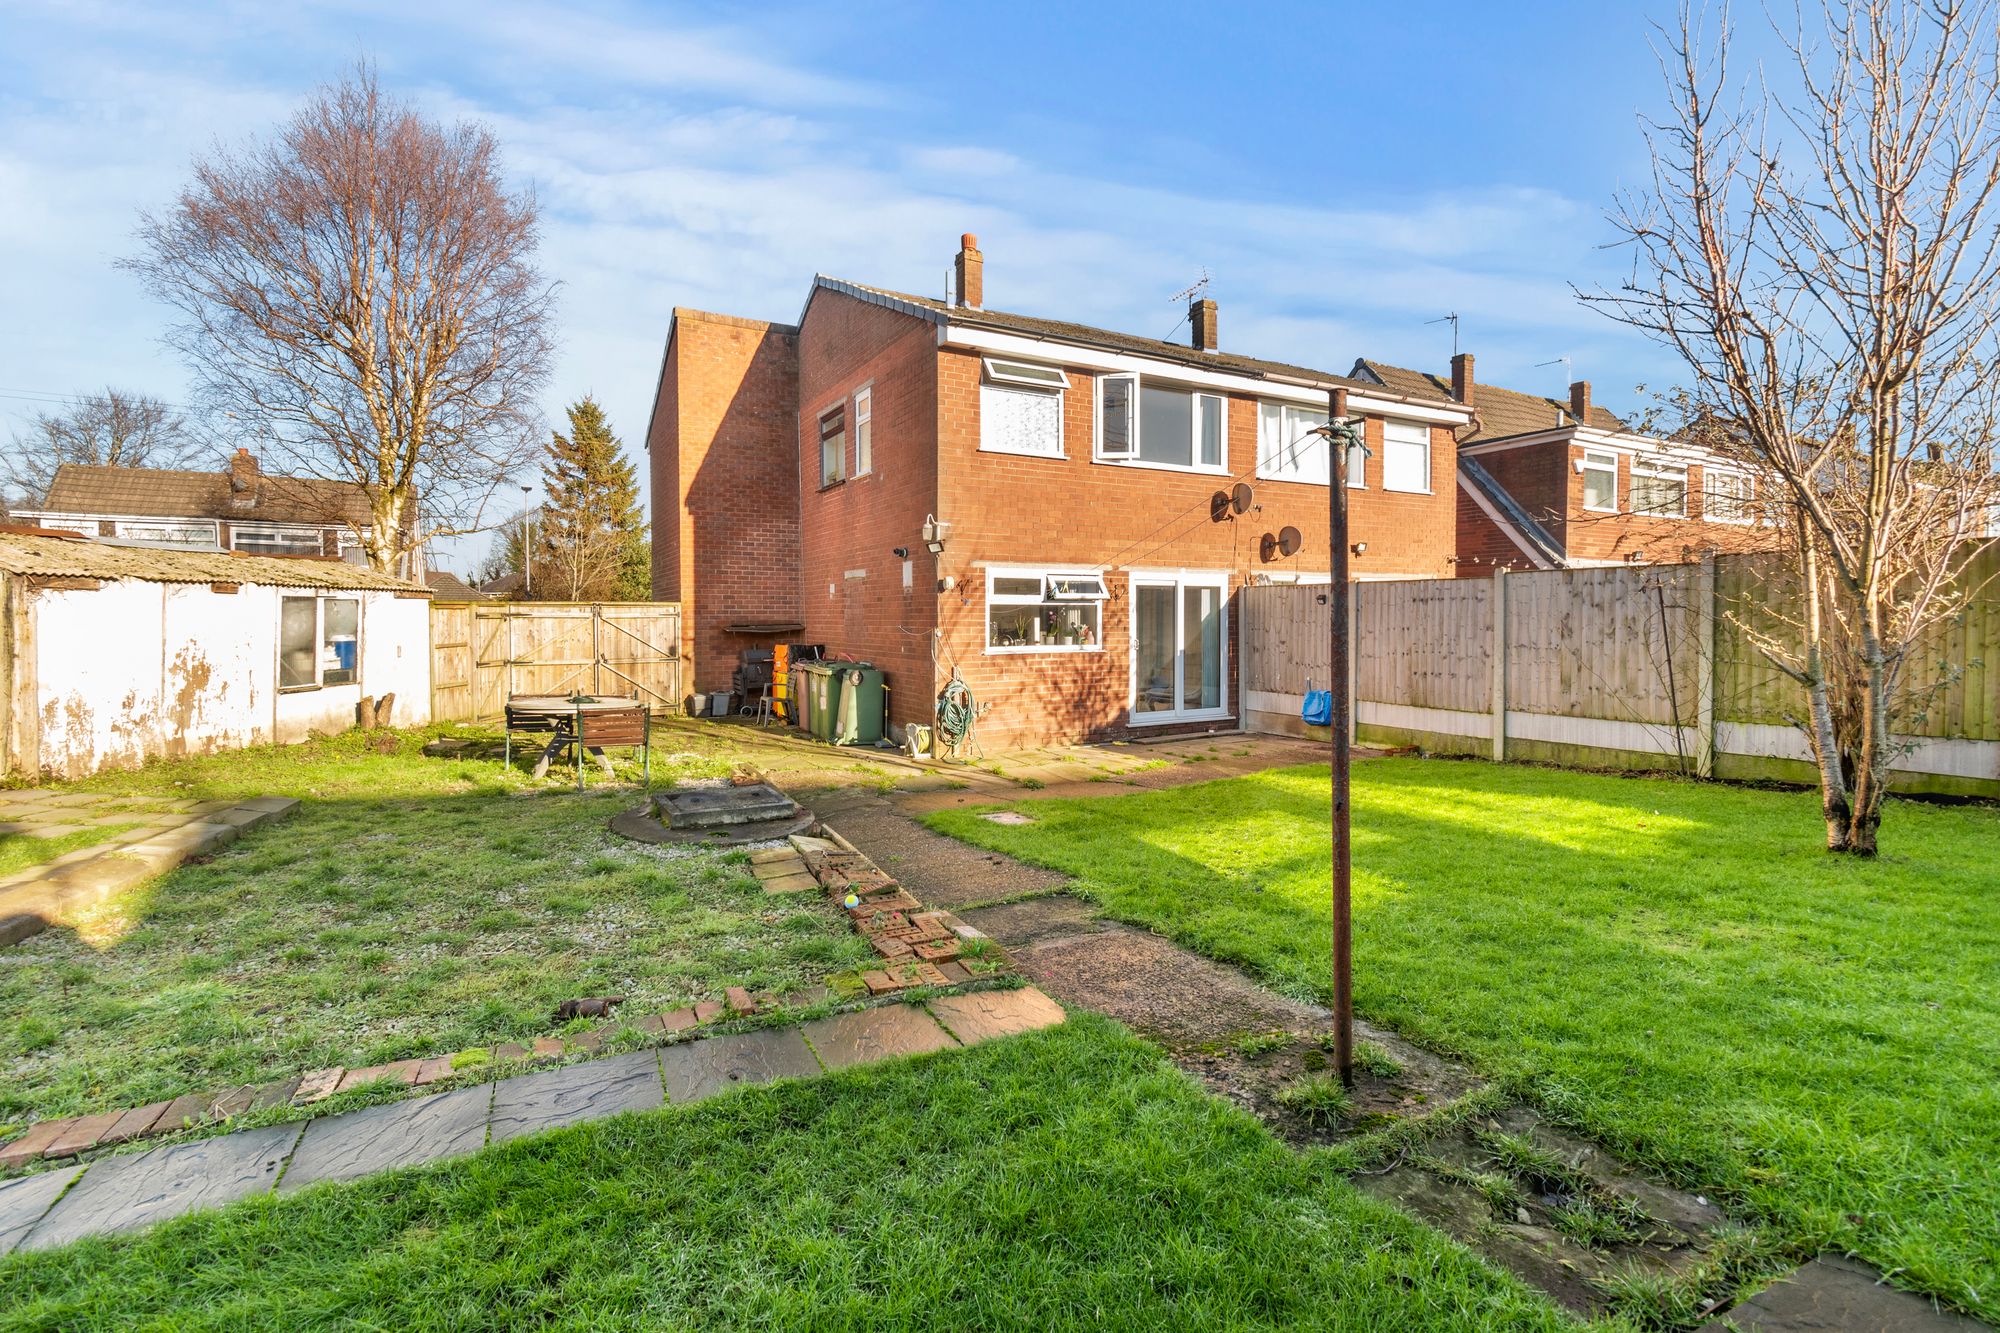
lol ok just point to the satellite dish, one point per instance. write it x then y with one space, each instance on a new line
1218 506
1267 549
1289 540
1240 497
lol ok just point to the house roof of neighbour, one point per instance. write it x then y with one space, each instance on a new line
1056 330
64 556
81 488
451 588
1502 412
1521 526
506 585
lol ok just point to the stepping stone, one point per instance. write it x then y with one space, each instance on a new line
135 1123
34 1142
589 1091
699 1069
381 1138
868 1035
23 1201
123 1193
996 1013
1838 1295
794 883
83 1134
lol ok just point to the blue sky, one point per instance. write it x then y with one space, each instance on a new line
1344 172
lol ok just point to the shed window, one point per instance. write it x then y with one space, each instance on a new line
319 642
1029 610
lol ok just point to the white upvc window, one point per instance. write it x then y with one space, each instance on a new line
1659 488
1290 447
833 446
319 642
864 431
1600 480
1021 409
169 531
1727 497
262 540
1035 610
1406 457
1155 424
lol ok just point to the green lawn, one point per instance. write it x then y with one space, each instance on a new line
412 906
1671 967
1068 1179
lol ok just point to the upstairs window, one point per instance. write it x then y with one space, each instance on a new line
1659 488
833 447
1033 611
864 431
275 541
1021 409
1600 480
1289 447
1406 456
1726 497
1159 425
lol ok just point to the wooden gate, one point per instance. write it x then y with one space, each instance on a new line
482 652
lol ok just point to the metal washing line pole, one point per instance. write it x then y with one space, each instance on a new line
1339 593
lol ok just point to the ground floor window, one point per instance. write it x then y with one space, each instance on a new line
1179 646
1040 610
319 641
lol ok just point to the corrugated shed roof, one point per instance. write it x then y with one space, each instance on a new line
64 558
1063 331
1502 412
81 488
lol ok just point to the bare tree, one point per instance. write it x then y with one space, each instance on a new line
1820 248
358 294
113 428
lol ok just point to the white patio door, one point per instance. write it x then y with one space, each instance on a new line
1180 635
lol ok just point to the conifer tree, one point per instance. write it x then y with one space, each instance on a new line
591 545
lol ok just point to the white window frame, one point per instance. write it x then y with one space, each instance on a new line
819 444
1010 377
319 681
237 530
1180 580
1748 500
1047 575
864 430
1653 468
1424 429
1220 468
1357 462
194 531
1597 460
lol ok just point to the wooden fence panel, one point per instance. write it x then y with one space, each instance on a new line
483 652
1618 644
1284 640
1425 642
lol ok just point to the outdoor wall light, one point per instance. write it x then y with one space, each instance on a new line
1359 548
934 534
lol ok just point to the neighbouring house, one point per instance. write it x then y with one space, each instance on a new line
1548 484
446 586
505 588
1043 507
241 508
111 654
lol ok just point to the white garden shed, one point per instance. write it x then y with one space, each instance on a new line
112 654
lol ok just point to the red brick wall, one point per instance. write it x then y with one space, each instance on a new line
1015 510
854 526
725 497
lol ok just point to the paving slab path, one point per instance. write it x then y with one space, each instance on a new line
124 1192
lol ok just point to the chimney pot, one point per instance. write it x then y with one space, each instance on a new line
1201 324
1463 386
243 477
1579 402
971 273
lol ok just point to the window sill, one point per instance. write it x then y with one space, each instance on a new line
1398 490
1732 522
1144 466
1307 481
1032 649
1601 509
1056 457
1171 719
299 689
826 486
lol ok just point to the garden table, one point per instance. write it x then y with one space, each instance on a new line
586 721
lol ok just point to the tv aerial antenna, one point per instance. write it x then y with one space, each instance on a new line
1451 319
1193 290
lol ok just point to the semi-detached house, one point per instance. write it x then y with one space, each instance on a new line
937 486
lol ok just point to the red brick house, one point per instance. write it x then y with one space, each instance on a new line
1546 484
933 485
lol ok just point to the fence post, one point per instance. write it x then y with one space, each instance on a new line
1704 668
1353 662
1500 665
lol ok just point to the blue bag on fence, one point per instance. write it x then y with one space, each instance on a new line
1318 709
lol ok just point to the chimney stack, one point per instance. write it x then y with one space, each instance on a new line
243 478
1201 324
1579 402
971 273
1462 385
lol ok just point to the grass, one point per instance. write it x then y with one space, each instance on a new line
413 906
1671 967
1066 1179
1319 1099
19 851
